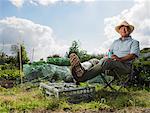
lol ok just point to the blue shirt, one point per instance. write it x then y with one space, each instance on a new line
124 47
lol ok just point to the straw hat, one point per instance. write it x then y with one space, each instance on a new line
125 23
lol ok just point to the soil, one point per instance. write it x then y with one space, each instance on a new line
6 83
126 110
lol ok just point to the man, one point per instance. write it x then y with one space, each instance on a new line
123 50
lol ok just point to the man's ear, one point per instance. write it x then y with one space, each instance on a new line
129 30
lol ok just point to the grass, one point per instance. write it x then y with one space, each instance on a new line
20 99
29 99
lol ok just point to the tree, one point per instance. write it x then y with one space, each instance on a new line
14 49
3 58
24 57
75 48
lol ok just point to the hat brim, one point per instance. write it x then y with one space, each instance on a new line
130 26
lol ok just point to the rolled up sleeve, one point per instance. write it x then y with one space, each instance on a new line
135 49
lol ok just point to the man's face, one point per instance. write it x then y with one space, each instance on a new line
124 31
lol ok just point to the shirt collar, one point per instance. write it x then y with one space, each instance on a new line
126 38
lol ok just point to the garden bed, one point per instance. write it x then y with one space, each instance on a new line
7 83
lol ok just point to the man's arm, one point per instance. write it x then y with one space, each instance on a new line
128 57
134 52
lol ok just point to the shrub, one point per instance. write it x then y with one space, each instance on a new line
9 74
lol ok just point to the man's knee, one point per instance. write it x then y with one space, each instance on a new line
94 61
107 64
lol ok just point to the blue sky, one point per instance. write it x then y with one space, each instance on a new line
83 21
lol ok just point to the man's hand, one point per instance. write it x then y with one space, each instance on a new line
115 57
125 58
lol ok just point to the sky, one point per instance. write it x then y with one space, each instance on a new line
48 27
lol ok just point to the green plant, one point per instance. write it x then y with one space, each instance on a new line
9 74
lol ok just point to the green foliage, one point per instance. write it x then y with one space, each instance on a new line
144 63
15 50
145 50
54 56
25 58
41 62
82 54
11 60
7 66
74 48
28 98
3 58
93 105
9 74
53 105
19 99
119 100
59 61
9 71
7 62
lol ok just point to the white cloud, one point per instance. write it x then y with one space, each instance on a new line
36 36
139 16
78 1
19 3
43 2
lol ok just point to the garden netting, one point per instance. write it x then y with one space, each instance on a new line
45 71
51 72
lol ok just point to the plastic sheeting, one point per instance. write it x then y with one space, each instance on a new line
45 71
51 73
